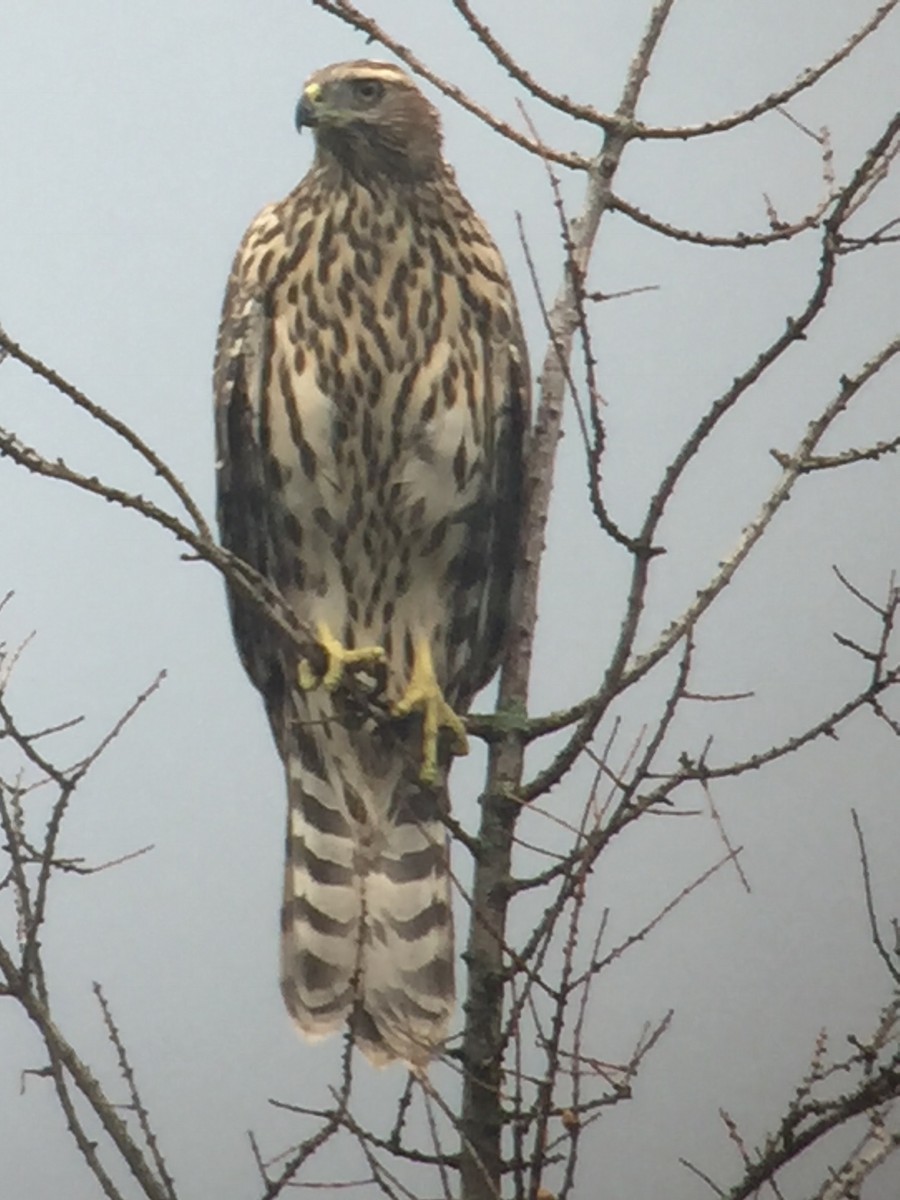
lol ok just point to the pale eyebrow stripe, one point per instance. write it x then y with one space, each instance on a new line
385 72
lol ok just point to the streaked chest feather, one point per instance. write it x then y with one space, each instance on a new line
381 363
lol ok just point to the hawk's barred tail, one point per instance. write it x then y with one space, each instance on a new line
320 916
367 928
407 952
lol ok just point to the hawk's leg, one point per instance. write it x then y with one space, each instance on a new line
338 659
423 694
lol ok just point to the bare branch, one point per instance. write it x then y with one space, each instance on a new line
137 1103
105 418
893 969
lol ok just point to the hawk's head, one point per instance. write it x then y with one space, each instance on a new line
372 118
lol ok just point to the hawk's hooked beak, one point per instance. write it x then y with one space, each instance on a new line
308 107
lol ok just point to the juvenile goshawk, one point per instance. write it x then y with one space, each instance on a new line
371 389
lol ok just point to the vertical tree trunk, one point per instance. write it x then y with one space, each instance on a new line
481 1152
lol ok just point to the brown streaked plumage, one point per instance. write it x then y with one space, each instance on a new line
371 389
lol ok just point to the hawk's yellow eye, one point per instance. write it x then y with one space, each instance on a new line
368 90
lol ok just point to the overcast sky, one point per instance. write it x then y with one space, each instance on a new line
136 143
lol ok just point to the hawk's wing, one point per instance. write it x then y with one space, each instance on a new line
507 490
322 900
242 488
491 551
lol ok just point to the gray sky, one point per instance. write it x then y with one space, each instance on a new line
136 144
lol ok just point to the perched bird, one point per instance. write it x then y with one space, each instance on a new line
371 390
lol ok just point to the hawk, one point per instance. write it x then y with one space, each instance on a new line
371 393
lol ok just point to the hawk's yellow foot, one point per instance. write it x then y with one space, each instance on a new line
338 661
423 694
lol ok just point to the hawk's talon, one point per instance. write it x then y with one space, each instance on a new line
338 659
423 694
